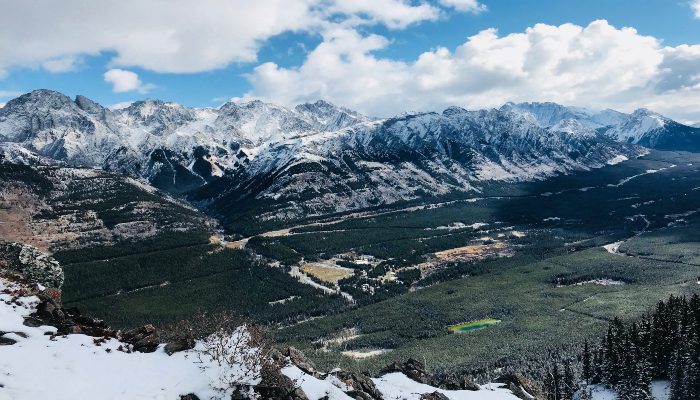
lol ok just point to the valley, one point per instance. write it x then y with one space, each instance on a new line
470 240
528 254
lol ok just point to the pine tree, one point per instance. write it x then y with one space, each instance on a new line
568 386
586 363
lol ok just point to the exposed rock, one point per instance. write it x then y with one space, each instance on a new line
363 387
6 341
519 385
276 386
144 339
455 382
34 266
67 322
433 396
32 322
299 359
412 368
179 344
190 396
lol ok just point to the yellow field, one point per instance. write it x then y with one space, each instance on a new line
472 252
326 273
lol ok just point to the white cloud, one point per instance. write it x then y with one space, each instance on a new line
177 36
392 13
695 5
125 81
2 105
595 66
160 35
61 64
472 6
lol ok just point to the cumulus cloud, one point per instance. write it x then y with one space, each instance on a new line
179 36
472 6
125 81
695 5
597 66
392 13
160 35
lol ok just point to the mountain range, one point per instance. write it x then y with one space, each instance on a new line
318 158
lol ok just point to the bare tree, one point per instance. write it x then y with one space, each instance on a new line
234 349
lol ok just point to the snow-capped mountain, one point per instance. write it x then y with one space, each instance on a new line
403 158
551 114
316 157
643 126
175 147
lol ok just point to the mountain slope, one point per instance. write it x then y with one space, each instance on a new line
400 159
174 147
283 163
58 208
643 127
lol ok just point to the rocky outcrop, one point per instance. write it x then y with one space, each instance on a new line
274 385
363 388
179 344
521 386
454 382
49 311
299 359
412 368
33 265
433 396
144 339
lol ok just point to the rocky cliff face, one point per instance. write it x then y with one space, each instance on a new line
30 264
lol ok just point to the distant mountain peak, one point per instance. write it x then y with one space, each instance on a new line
315 146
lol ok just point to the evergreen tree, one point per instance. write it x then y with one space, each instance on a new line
569 385
662 345
586 360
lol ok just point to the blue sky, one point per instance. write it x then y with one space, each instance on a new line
80 67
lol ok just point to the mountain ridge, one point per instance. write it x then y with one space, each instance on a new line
317 158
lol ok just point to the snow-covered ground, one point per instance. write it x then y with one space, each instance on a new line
393 386
398 386
613 248
75 367
659 391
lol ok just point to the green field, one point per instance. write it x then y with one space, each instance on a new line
473 325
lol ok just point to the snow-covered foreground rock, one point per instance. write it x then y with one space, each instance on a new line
393 386
398 386
41 366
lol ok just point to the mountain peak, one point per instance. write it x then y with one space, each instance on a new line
88 105
40 98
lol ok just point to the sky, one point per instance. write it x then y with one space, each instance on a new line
380 57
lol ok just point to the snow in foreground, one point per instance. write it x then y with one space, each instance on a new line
659 391
75 367
398 386
393 386
42 366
